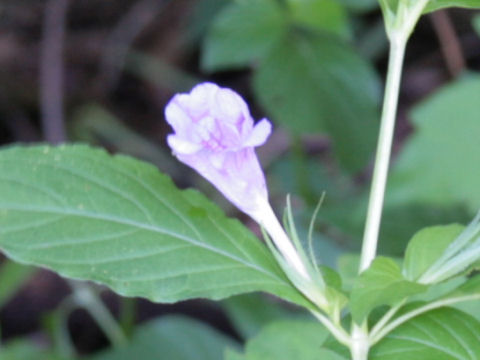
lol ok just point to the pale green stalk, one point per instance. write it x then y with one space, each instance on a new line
335 329
381 333
85 297
398 30
360 339
386 318
379 180
62 341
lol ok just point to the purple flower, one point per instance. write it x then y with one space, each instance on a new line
216 136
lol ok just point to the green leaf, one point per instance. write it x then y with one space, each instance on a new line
390 5
12 277
447 130
360 5
172 337
348 266
319 84
381 284
198 19
469 307
460 293
23 350
233 355
470 290
443 334
326 15
331 277
286 340
243 32
439 290
470 287
251 312
389 10
426 247
440 4
460 256
119 222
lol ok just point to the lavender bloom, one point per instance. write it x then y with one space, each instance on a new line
215 135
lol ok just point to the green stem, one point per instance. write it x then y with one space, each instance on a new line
382 159
85 297
386 318
335 329
128 313
399 30
375 337
59 325
379 180
360 345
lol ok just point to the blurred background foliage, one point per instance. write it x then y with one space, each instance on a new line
101 72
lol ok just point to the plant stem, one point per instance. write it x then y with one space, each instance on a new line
52 71
85 297
128 313
360 346
59 328
360 342
386 318
382 159
336 330
410 315
399 30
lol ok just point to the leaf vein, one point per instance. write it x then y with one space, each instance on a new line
147 227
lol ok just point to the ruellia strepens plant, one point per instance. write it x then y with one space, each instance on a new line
119 222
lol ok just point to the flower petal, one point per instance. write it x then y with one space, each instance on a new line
260 133
230 107
176 115
200 99
182 146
